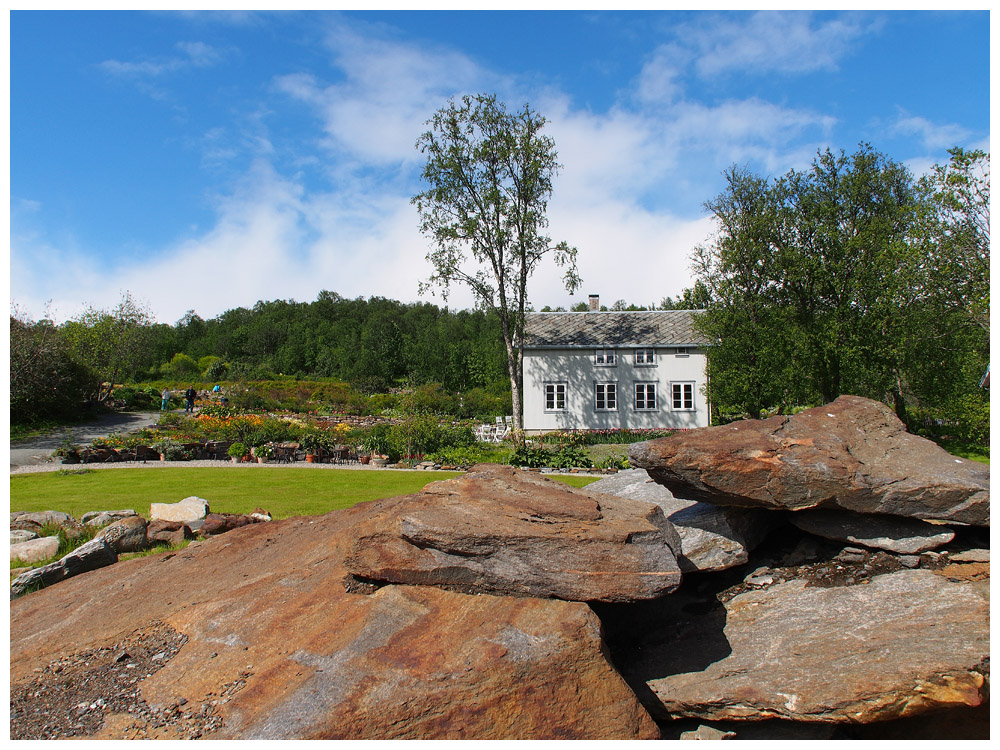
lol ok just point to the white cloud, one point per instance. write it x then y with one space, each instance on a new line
934 137
193 55
767 41
389 90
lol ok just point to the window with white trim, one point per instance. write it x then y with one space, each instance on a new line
682 351
645 396
645 357
605 358
606 396
682 396
555 397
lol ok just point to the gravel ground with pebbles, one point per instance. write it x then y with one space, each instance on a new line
75 696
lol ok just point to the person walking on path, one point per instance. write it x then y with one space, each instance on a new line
165 402
189 394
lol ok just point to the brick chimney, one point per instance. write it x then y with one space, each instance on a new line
595 302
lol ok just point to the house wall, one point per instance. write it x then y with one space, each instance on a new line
577 369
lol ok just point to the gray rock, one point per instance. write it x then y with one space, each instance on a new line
95 554
189 509
852 454
21 535
711 537
44 517
126 535
707 733
35 550
845 654
104 517
904 536
971 556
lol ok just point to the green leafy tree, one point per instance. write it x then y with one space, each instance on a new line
489 175
752 347
847 268
113 344
812 283
45 382
956 226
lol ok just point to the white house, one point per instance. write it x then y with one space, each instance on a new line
606 370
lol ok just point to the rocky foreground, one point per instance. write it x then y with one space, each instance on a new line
501 605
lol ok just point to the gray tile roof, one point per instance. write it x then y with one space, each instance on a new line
607 329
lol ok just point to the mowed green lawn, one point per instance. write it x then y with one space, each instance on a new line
284 492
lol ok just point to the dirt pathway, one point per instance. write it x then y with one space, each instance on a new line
36 451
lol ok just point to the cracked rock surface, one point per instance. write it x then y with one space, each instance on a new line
853 454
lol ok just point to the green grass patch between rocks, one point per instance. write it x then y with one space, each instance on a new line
284 492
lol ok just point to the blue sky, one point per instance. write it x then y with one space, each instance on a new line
204 161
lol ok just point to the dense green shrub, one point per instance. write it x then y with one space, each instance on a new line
466 456
570 456
531 457
136 397
216 370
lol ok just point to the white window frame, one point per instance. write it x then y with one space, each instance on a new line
601 392
605 358
645 357
685 390
556 389
682 351
645 386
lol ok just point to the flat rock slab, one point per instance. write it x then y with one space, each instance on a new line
904 536
188 509
852 454
504 531
906 643
711 537
269 624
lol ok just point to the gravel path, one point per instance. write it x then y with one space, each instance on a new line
36 451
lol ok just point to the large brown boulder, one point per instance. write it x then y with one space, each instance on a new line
853 454
906 643
505 531
273 644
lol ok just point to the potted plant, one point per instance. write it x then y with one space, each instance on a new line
169 450
311 442
264 452
376 445
237 452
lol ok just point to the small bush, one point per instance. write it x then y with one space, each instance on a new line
466 456
531 457
570 456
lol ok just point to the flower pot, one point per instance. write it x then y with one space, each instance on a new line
163 456
234 459
310 458
365 459
262 459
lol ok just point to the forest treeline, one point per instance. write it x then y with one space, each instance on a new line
373 344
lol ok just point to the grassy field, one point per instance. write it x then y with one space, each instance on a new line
283 492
